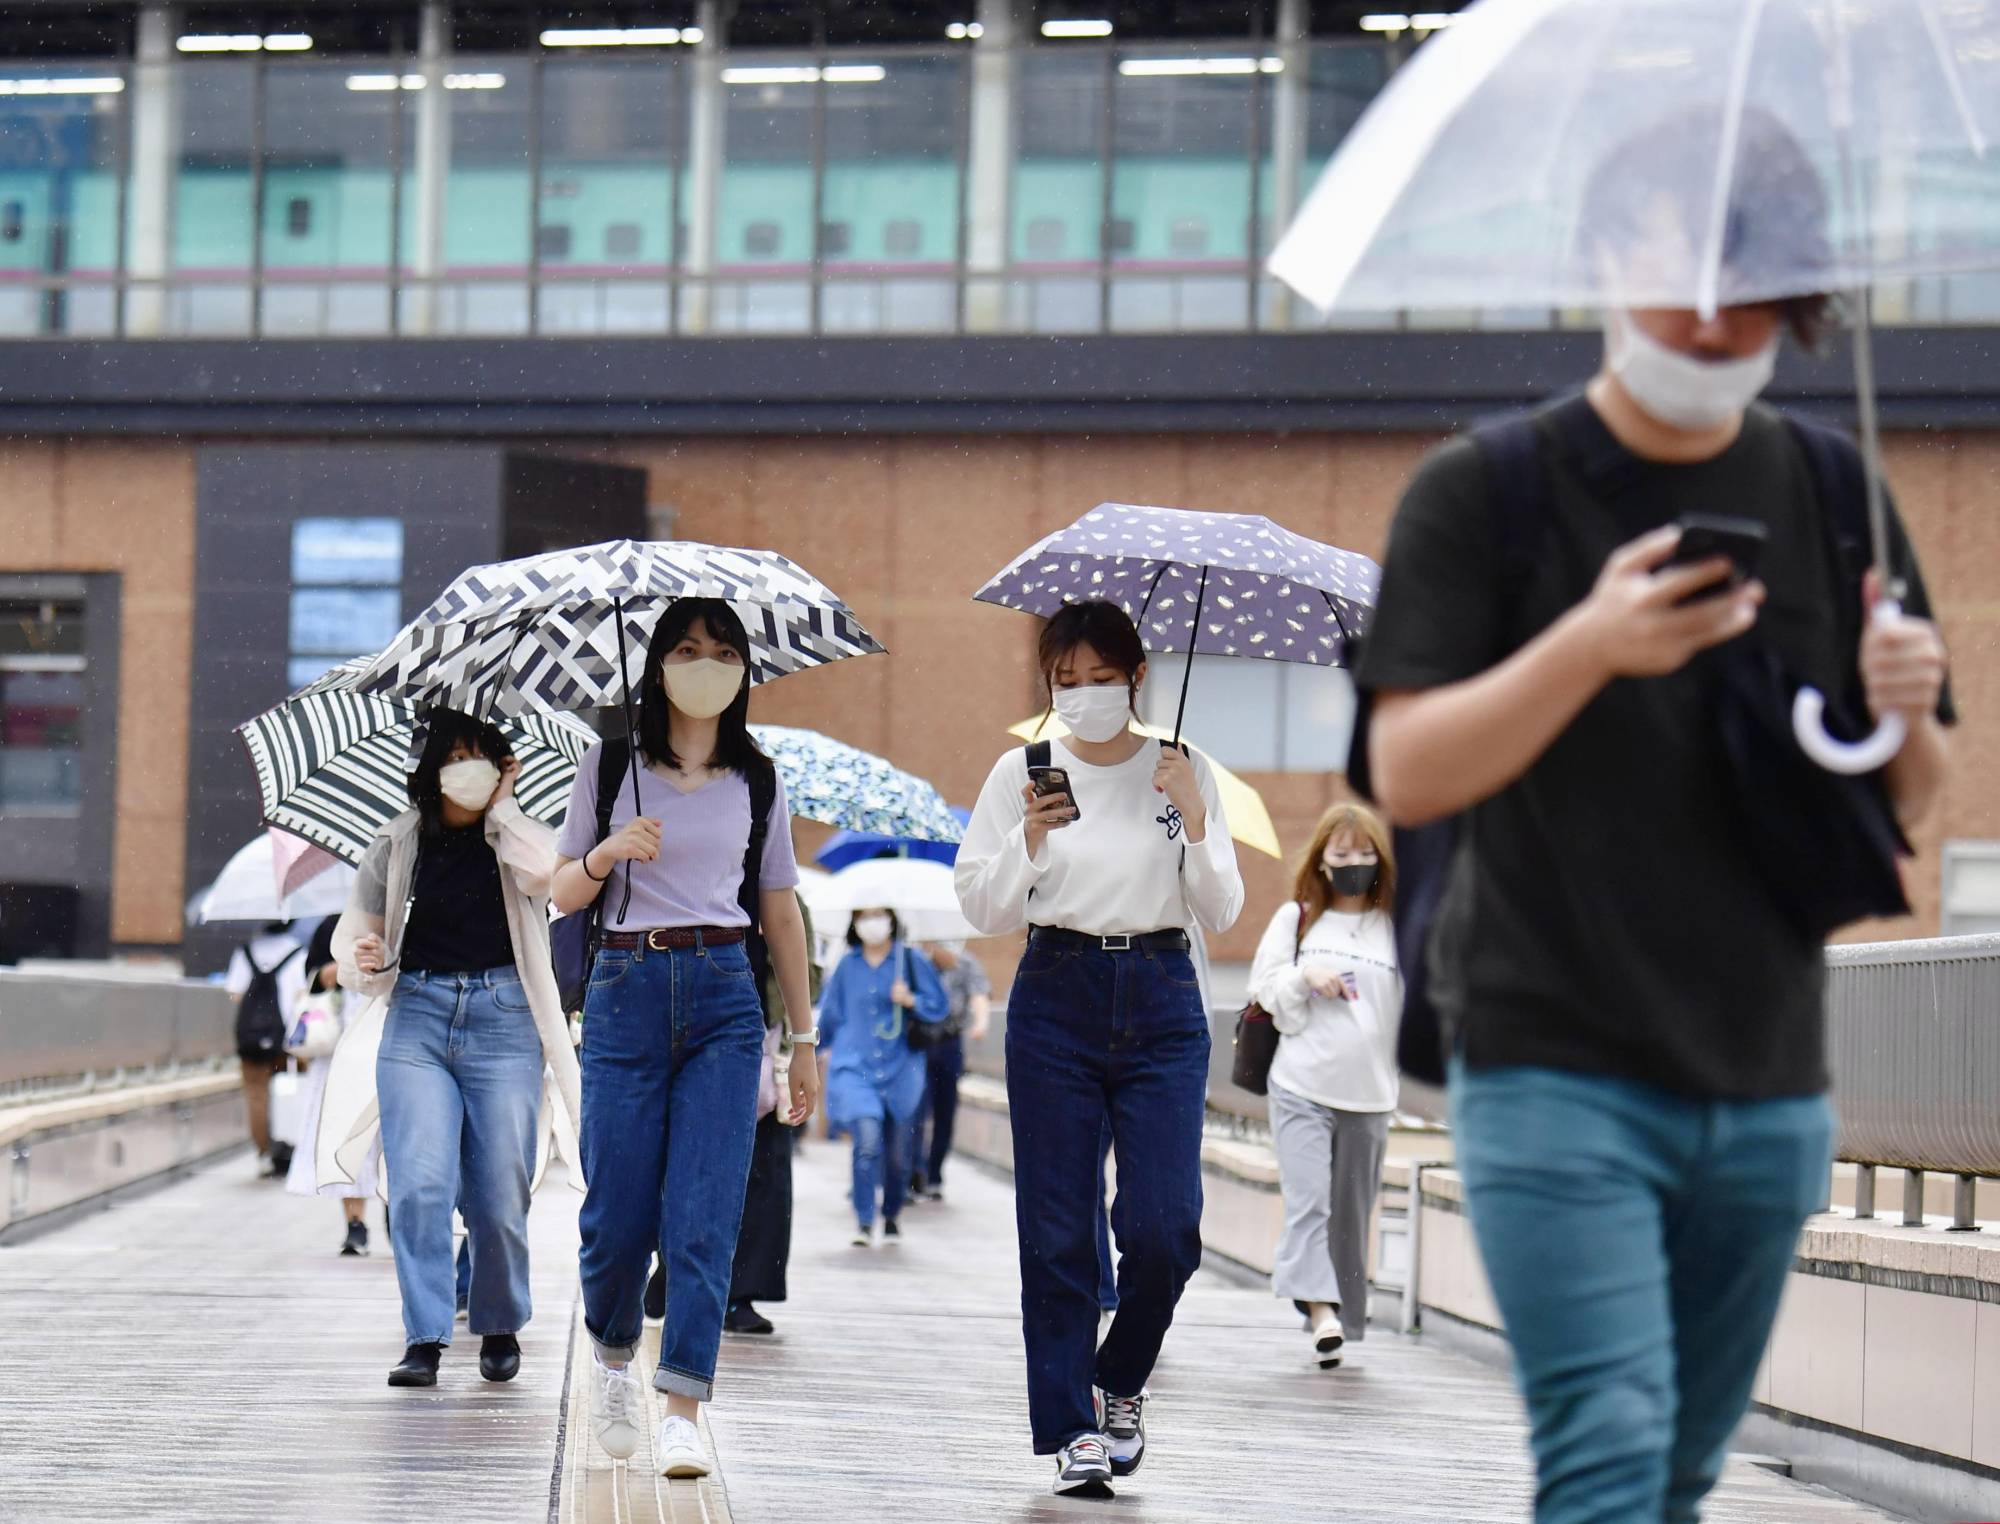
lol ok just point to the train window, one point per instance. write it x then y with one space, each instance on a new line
1046 237
760 240
298 217
1188 238
835 238
903 238
1124 235
13 222
622 240
552 240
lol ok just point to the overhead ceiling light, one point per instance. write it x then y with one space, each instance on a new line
1142 67
385 82
691 34
1432 21
288 42
616 37
107 85
959 31
805 74
1076 29
475 81
213 42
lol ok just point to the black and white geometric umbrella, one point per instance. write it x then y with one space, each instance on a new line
332 765
560 633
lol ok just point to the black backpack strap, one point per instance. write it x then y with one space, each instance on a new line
1038 753
613 758
762 777
1840 485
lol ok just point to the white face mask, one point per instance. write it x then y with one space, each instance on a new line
872 929
469 784
703 689
1678 389
1096 712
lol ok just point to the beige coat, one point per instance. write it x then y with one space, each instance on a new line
350 1116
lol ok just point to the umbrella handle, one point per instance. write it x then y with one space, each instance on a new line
1849 758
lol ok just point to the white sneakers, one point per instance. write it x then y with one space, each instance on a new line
1327 1338
617 1400
1124 1421
1083 1468
864 1236
678 1446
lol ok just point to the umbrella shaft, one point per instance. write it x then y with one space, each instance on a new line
1194 639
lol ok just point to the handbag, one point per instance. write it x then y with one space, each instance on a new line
921 1035
315 1028
1257 1035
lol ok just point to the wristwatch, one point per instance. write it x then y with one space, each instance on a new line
806 1039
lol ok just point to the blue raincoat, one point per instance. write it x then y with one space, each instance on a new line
872 1071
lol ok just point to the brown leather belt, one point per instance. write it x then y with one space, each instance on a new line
660 938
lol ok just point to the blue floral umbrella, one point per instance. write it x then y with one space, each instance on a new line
1214 584
841 785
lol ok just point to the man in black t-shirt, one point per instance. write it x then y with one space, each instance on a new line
1638 1083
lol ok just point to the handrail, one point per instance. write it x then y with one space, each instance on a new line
64 1027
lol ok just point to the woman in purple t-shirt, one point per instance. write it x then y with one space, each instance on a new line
673 1030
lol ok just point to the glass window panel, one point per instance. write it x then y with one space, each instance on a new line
41 723
1058 188
354 552
764 212
58 190
344 621
486 231
613 138
328 187
40 629
892 175
212 192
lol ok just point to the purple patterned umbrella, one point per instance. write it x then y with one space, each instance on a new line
1222 584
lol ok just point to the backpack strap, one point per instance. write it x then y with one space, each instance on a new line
612 760
1517 489
1840 486
1038 753
762 777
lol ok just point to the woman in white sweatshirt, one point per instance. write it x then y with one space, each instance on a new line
1119 853
1336 998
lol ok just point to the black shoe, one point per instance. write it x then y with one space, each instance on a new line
656 1294
745 1319
419 1367
357 1239
890 1228
499 1357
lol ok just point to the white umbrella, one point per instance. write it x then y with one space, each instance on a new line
923 894
247 889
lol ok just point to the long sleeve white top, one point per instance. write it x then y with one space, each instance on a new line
1117 869
1340 1053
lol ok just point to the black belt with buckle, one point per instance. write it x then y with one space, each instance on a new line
660 938
1173 940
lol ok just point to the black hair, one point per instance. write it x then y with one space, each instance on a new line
1776 199
735 748
895 927
1106 629
448 728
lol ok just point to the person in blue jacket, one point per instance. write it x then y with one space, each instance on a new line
874 1078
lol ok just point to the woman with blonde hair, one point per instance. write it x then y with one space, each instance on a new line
1326 971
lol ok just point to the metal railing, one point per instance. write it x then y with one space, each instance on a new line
1913 1039
57 1028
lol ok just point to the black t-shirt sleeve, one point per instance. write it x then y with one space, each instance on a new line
1916 597
1438 617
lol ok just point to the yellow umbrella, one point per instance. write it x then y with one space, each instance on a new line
1249 821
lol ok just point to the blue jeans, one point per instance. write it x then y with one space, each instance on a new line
1637 1241
1096 1037
459 1074
880 1166
673 1042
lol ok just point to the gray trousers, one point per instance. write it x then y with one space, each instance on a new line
1329 1168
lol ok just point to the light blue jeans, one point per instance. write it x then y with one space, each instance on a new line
1637 1241
460 1079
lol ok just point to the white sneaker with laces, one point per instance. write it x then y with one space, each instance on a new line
616 1402
678 1446
1327 1339
864 1237
1124 1420
1083 1468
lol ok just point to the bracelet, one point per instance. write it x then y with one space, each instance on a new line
585 860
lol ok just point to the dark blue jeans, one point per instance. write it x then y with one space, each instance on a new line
1637 1242
881 1166
944 1065
672 1045
1096 1037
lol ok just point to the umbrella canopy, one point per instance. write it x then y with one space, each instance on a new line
1225 584
247 888
1785 147
845 848
924 896
841 785
332 765
565 632
1249 820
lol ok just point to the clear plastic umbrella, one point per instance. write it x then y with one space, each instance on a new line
1672 153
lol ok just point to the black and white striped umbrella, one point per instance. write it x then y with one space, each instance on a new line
332 766
544 633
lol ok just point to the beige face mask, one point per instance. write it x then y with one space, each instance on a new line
469 784
702 689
